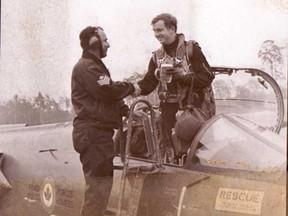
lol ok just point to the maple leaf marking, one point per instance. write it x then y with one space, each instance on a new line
47 195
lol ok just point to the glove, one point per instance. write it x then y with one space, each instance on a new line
184 79
137 90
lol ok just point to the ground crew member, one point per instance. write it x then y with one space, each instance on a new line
98 105
186 69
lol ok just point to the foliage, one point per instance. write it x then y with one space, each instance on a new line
223 89
37 110
251 89
136 76
271 55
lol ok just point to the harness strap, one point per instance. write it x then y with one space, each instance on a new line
184 50
189 53
159 54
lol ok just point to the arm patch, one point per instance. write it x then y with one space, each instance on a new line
103 80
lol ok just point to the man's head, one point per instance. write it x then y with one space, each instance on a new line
165 28
94 39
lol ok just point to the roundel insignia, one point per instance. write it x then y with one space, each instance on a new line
48 195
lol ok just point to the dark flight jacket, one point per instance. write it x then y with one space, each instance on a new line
96 99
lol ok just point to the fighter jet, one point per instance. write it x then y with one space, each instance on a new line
235 164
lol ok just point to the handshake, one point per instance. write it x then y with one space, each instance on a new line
167 73
137 90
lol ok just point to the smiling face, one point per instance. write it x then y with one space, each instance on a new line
163 34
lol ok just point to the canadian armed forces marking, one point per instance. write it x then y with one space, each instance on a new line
48 194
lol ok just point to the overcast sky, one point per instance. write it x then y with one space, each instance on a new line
40 42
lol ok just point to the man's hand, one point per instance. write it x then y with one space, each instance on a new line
171 71
137 91
185 79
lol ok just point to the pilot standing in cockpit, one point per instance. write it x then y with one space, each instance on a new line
189 71
99 107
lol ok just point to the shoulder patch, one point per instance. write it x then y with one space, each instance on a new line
103 80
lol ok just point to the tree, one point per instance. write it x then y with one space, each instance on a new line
36 110
271 54
223 88
40 106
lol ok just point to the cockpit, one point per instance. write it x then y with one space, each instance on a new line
243 135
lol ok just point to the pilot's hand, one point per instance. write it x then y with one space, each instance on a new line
171 71
184 79
137 90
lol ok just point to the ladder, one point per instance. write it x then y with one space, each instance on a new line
142 171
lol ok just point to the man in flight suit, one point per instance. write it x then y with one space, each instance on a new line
187 70
99 107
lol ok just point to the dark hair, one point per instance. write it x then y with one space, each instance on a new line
86 34
168 19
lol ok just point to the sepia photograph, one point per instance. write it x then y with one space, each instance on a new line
143 108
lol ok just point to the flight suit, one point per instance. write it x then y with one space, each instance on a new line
201 77
98 104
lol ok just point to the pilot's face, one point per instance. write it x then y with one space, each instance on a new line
163 34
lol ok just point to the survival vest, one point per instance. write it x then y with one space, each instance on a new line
174 93
184 53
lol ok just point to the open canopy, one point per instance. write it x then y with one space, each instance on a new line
250 93
244 133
